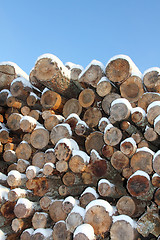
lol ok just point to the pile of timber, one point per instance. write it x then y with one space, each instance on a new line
79 149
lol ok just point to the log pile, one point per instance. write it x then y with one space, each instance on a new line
79 149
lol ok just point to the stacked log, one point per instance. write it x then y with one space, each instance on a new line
79 151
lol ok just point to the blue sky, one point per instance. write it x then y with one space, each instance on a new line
80 31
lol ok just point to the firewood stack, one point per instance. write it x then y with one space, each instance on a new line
79 148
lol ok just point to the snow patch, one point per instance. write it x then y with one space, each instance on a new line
29 118
156 154
140 173
73 115
24 201
2 235
16 174
4 192
103 203
78 209
29 230
138 109
153 104
90 190
122 101
131 140
93 62
126 219
145 149
69 142
153 69
103 119
105 181
109 126
24 81
3 177
82 154
70 199
46 232
156 120
86 229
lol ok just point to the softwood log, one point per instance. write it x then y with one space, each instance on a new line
74 190
22 165
25 110
7 210
86 98
69 203
39 137
138 116
32 99
51 72
84 231
78 161
72 106
25 208
4 94
16 193
107 100
119 160
13 121
38 159
27 124
128 146
112 135
20 87
88 195
60 131
156 162
60 231
42 234
94 141
45 202
9 156
151 135
16 179
48 168
153 111
103 122
151 79
19 224
92 73
104 87
32 171
82 129
14 102
23 150
27 234
40 219
35 114
157 196
157 125
56 211
92 117
156 180
147 98
123 228
72 120
4 134
52 121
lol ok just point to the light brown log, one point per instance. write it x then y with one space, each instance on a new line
52 121
9 111
4 94
20 88
23 150
48 169
137 137
74 190
22 165
27 234
62 166
107 151
39 137
94 141
123 229
19 224
32 99
132 89
4 134
72 120
9 146
38 159
104 87
32 171
16 179
157 196
138 116
75 218
142 160
13 166
92 73
9 156
60 231
34 81
86 98
25 208
60 131
151 135
39 220
92 116
14 102
148 98
88 195
157 125
45 202
120 110
25 110
130 129
51 72
143 143
148 223
3 179
7 210
27 137
112 135
98 216
56 211
13 121
151 79
72 106
156 180
127 172
49 156
82 129
78 161
138 184
48 113
35 114
27 124
103 122
69 203
131 206
153 112
87 178
128 146
42 234
69 178
52 100
7 74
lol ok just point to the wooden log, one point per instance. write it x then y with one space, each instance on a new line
156 161
4 134
9 111
72 106
73 190
148 223
27 234
49 156
64 147
132 89
20 88
99 216
52 100
27 124
86 98
35 114
19 224
138 116
151 79
123 227
157 196
32 99
120 110
52 121
39 137
103 122
120 67
48 113
153 111
142 160
7 210
92 73
69 203
51 72
23 150
9 146
107 151
82 129
119 160
69 178
22 165
72 120
48 168
151 135
88 195
131 206
32 171
107 100
60 131
34 81
78 161
25 208
104 87
157 125
128 146
56 211
42 234
60 231
16 179
38 159
127 172
62 166
9 156
147 98
138 184
14 102
156 180
40 220
112 135
75 218
25 110
75 69
94 141
16 193
92 116
84 231
4 94
13 166
7 74
13 121
45 202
